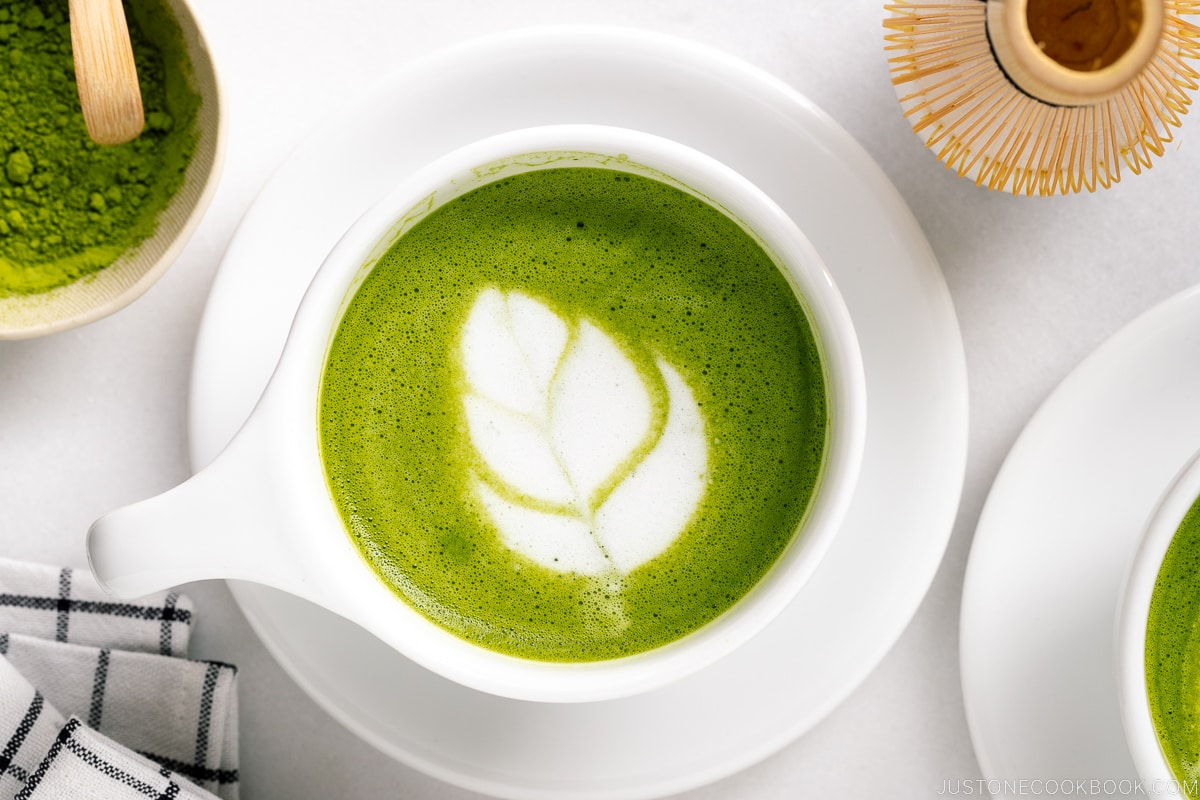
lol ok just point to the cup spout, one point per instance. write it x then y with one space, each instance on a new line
221 523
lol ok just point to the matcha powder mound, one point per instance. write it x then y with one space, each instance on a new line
69 207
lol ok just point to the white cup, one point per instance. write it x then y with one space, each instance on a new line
262 512
1133 612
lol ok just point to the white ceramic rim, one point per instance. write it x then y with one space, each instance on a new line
1132 614
199 56
370 604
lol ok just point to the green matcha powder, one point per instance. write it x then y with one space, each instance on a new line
69 207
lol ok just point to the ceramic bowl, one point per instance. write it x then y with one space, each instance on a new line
261 511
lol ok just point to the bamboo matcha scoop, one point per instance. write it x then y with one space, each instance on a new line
105 72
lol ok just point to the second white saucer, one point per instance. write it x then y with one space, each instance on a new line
1052 547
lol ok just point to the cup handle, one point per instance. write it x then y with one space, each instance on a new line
221 523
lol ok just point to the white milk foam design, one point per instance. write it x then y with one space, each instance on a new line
580 473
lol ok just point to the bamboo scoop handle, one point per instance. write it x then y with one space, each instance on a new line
105 72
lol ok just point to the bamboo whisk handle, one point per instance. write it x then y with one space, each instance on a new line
1085 51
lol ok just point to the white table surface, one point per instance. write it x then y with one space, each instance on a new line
95 418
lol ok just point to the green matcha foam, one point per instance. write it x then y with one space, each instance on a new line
1173 651
573 415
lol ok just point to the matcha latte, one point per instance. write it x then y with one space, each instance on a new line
1173 652
573 415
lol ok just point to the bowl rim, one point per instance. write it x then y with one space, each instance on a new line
300 368
1132 616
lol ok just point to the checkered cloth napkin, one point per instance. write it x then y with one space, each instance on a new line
98 698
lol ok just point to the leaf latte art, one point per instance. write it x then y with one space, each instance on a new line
573 414
581 470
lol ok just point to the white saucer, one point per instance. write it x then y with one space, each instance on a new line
784 681
1053 543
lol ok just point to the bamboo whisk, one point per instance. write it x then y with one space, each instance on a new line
1044 96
